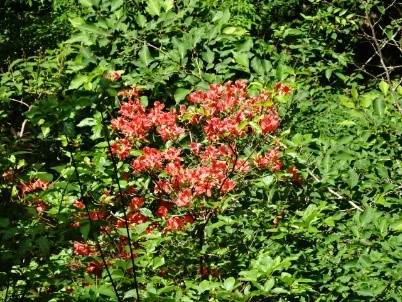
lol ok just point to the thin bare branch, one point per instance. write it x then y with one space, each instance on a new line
332 191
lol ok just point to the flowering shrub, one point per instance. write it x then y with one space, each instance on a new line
183 166
196 155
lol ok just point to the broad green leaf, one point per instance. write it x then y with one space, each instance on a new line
180 94
353 178
347 102
355 93
44 176
384 87
229 30
78 81
157 262
269 285
255 127
181 46
86 3
341 76
229 283
116 4
379 106
141 20
168 5
208 56
256 64
241 59
204 286
130 294
328 73
154 8
86 27
45 130
145 55
242 125
366 100
380 199
84 229
245 47
106 291
397 226
89 121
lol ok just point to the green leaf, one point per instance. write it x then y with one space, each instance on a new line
229 283
116 4
145 55
242 125
255 127
68 129
78 81
241 59
106 291
168 5
86 3
384 87
208 56
366 100
204 286
157 262
234 31
45 130
245 47
89 121
84 229
379 106
44 176
269 285
353 178
328 73
396 226
347 102
153 8
130 294
180 94
354 93
181 46
341 76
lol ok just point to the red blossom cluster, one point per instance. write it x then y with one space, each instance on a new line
33 186
270 160
203 158
282 89
295 175
8 175
113 76
177 223
223 114
82 249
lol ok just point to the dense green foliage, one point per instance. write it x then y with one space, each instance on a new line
334 235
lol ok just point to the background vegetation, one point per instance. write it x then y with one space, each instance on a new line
335 236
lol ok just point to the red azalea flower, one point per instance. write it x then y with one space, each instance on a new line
136 203
82 249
